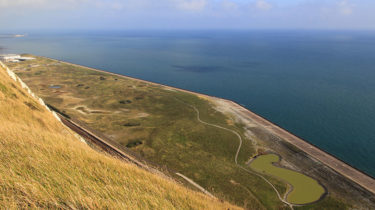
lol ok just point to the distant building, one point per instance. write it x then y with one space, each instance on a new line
25 58
9 57
14 58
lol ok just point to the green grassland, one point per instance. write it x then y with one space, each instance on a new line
156 123
304 189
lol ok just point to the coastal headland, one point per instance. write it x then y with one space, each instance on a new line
92 97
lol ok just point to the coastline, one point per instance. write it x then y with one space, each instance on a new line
355 175
359 177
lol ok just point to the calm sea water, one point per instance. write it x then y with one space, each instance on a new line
319 85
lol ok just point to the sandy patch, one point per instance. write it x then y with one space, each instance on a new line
85 110
71 99
235 116
140 115
233 113
169 89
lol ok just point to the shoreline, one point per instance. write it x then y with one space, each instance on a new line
357 176
361 178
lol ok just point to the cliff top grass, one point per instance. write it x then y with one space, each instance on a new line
43 165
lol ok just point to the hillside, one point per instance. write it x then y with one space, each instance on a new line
45 166
157 123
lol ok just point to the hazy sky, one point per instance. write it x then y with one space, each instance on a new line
187 14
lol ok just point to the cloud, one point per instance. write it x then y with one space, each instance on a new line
188 5
15 3
41 4
263 5
188 13
191 5
229 5
117 6
345 8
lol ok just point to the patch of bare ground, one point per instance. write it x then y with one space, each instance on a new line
169 89
85 110
140 115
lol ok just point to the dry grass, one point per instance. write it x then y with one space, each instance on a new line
157 125
44 166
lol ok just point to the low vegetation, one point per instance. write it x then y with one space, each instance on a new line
168 129
159 124
43 165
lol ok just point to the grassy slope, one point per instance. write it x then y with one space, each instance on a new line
44 165
170 133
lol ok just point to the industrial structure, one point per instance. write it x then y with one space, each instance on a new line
14 58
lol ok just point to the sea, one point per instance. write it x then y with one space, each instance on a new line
319 85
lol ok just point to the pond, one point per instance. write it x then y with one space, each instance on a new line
55 86
304 188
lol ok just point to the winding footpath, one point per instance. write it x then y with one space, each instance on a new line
238 151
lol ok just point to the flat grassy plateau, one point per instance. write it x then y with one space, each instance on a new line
159 124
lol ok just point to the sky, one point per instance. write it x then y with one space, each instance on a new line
187 14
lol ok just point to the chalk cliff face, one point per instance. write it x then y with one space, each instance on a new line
44 165
25 87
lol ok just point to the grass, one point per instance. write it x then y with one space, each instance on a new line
304 189
43 165
3 88
168 129
130 111
326 204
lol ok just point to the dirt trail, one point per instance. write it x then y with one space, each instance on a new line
196 185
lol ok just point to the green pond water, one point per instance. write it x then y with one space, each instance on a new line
304 189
